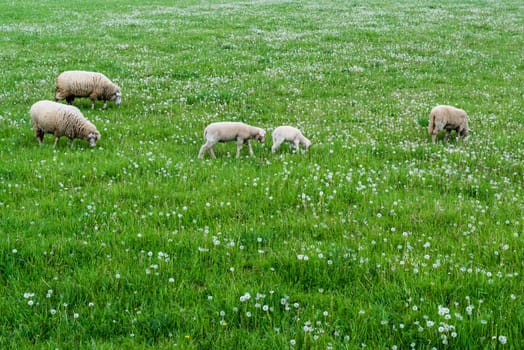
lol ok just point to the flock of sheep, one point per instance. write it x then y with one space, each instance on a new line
60 120
65 120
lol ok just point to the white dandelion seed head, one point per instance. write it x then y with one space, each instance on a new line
442 310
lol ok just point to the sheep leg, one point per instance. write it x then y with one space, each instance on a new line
276 145
209 147
105 105
249 147
448 131
211 152
296 142
93 98
461 133
240 142
56 140
39 136
202 151
70 99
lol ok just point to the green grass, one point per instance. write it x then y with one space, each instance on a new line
375 238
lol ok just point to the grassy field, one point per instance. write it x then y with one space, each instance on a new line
375 238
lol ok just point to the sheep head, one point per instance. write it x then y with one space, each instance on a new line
117 97
261 135
92 138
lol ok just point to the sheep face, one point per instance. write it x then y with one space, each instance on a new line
261 136
307 144
92 138
117 97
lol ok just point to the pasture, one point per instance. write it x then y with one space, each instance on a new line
375 238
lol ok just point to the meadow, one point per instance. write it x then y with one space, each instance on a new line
376 238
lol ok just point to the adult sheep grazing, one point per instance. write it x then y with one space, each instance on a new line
230 131
96 86
61 120
289 134
448 118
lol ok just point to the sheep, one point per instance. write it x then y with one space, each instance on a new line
230 131
448 118
289 134
61 120
96 86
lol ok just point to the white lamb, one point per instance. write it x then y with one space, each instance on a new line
61 120
448 118
289 134
230 131
96 86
